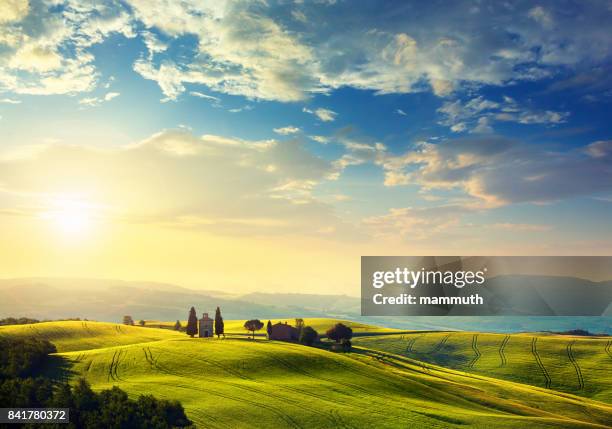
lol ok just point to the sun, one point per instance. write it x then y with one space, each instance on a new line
71 217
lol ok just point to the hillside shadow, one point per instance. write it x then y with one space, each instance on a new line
57 368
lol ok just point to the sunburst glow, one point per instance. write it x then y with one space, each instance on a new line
71 217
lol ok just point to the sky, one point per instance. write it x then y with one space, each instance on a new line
266 146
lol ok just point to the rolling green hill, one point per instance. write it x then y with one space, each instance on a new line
578 365
257 383
81 335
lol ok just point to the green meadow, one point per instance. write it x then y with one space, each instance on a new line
238 382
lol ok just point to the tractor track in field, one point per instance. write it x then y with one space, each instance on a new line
212 422
339 421
88 365
477 353
410 343
149 356
87 329
502 354
117 365
284 399
609 348
538 359
384 355
572 358
113 368
441 344
110 368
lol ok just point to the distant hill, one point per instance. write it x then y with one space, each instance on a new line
329 304
109 300
545 295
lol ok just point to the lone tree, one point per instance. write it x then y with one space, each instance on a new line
219 325
192 323
253 325
299 325
141 322
177 325
308 336
127 320
269 329
339 332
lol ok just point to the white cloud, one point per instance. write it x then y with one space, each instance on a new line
483 126
48 53
9 101
96 101
36 58
458 127
540 15
241 109
600 149
401 112
287 130
198 94
13 10
241 51
298 15
320 139
325 115
110 95
153 43
478 114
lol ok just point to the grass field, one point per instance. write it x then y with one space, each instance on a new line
238 382
578 365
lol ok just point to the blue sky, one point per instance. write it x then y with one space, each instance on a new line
457 127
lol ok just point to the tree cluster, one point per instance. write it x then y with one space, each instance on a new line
21 357
17 321
341 334
22 385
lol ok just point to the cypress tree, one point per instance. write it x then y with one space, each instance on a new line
219 325
269 329
192 323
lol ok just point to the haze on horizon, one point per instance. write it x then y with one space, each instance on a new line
247 146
